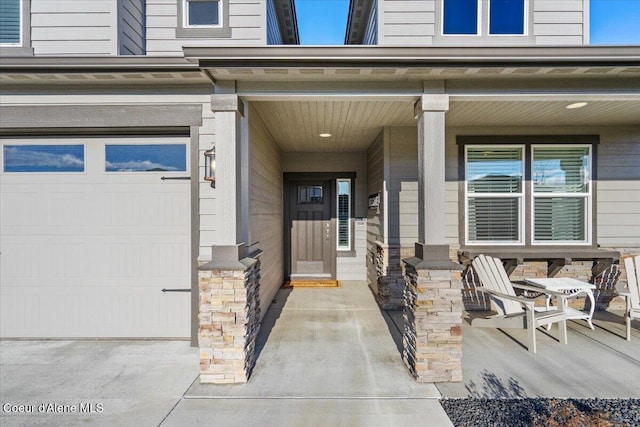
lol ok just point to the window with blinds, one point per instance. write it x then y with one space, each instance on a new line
561 193
494 193
10 21
534 194
344 214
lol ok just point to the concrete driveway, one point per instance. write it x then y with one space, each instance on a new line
124 382
325 357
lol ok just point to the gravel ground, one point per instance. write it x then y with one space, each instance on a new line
474 412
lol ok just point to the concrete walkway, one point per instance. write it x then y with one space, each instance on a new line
325 357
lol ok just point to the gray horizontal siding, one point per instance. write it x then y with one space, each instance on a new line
375 216
265 207
247 21
68 27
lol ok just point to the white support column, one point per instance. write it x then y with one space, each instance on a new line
231 200
430 111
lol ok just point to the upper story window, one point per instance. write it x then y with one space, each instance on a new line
15 27
460 17
203 19
10 23
202 13
506 17
495 17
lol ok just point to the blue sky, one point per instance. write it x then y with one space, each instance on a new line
323 22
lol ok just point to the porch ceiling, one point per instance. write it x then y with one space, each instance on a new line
296 125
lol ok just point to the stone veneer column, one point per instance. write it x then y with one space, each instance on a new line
229 316
432 336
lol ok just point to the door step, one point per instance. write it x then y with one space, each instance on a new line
311 284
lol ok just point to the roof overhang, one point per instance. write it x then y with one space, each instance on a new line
380 56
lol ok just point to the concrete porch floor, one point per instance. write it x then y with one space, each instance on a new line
594 364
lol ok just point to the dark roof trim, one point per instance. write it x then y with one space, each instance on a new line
287 21
359 11
96 64
378 56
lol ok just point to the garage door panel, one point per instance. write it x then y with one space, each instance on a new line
87 254
89 312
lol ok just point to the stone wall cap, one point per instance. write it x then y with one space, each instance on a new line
420 264
242 264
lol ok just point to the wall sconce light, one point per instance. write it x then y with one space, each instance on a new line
210 166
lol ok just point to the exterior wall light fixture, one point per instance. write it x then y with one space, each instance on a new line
210 166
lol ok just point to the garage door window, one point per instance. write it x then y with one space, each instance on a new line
146 158
43 158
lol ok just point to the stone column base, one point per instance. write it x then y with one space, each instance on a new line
433 318
229 318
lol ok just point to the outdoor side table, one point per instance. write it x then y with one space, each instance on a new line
570 286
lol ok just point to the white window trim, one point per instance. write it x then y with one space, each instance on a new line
520 196
525 22
478 23
349 238
185 15
588 220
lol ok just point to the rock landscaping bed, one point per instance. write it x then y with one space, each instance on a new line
474 412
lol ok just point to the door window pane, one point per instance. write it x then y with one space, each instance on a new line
460 17
310 195
43 158
506 17
146 157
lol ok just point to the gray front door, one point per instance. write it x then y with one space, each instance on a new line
310 229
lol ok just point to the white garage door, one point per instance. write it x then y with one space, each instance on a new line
90 235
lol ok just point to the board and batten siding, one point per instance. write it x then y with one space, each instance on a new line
131 27
247 21
375 216
265 207
73 28
347 268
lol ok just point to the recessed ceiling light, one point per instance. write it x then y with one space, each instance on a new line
325 135
576 105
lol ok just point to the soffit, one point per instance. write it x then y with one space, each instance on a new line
296 125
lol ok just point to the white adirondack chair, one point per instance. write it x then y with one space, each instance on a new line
632 267
516 312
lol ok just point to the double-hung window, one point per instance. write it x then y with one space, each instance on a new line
495 193
561 193
528 194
